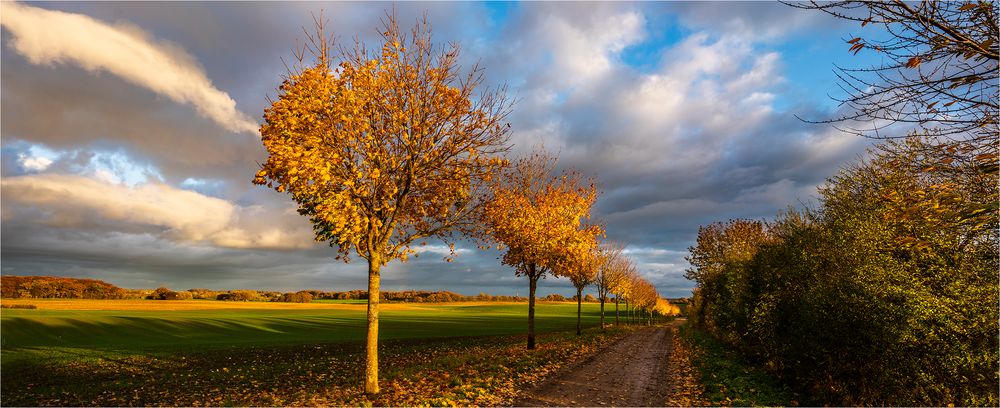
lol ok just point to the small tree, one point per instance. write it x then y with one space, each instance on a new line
645 299
161 293
621 284
610 270
536 219
388 147
583 268
665 309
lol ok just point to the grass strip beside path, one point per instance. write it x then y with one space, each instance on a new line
730 380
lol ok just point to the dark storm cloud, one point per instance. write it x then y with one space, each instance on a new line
697 138
241 49
141 260
241 45
64 107
700 130
700 133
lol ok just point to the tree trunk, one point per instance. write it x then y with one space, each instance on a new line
627 321
533 282
602 312
371 346
616 310
579 304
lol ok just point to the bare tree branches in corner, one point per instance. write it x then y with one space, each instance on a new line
939 74
939 78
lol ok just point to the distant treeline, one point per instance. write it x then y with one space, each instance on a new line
14 287
42 287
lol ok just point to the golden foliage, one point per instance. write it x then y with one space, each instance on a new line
387 148
644 294
665 308
539 219
614 269
623 278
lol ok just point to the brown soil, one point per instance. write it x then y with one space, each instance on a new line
645 368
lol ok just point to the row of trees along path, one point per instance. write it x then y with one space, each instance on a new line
386 148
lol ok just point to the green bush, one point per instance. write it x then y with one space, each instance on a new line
865 301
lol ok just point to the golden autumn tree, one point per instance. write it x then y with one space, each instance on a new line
645 299
383 148
538 219
627 289
664 308
620 282
610 270
582 267
658 308
637 296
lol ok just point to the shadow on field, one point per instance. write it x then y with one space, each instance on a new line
268 375
151 331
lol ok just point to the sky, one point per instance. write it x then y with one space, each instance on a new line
129 131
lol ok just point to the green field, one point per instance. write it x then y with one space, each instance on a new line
265 354
34 333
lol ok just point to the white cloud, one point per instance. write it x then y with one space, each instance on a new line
50 37
583 52
641 251
577 45
438 249
37 158
761 21
69 201
708 94
33 163
689 136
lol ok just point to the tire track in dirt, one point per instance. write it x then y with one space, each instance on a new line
634 371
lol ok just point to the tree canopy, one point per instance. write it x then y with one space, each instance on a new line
382 148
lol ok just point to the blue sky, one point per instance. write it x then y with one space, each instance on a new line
128 140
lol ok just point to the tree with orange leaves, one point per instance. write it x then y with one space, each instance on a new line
386 148
538 220
665 308
621 283
633 287
583 267
612 266
644 298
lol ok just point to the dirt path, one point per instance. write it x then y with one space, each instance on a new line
635 371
